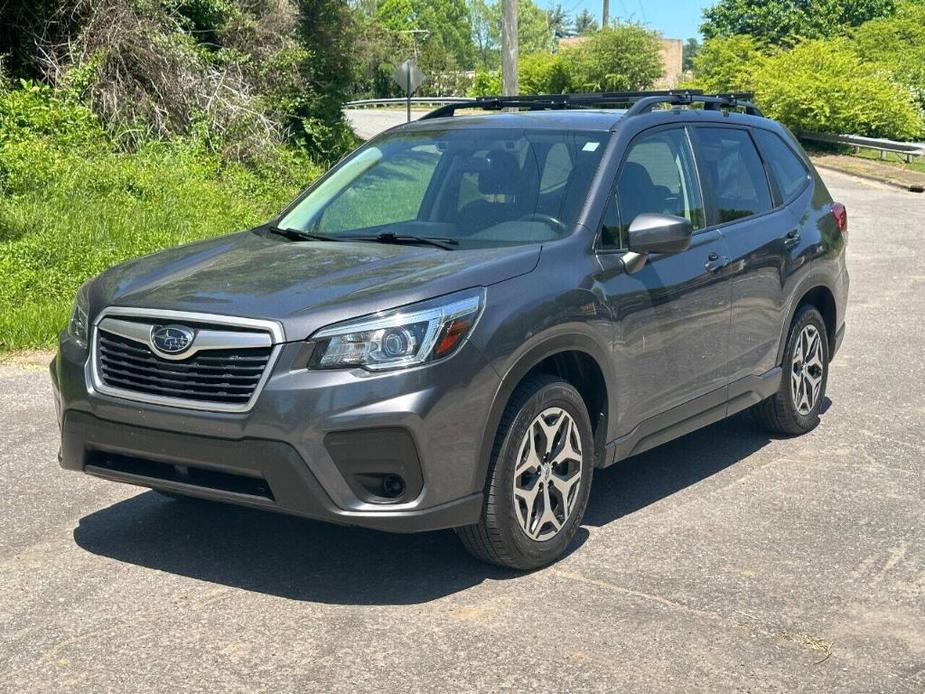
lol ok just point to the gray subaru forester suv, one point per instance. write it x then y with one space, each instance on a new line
463 319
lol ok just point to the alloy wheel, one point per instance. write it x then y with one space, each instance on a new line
807 370
547 475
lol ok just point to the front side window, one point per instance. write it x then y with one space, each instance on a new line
733 172
789 172
657 176
476 187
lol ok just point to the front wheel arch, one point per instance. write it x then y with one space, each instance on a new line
577 360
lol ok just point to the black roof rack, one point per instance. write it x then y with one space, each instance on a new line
638 102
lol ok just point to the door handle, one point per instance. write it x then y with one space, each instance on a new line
715 262
792 238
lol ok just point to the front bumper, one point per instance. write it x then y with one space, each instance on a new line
297 450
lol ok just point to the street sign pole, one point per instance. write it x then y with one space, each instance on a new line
409 77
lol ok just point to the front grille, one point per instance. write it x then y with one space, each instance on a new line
227 376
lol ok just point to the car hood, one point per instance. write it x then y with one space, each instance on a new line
304 285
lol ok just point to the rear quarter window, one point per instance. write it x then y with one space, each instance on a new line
789 172
733 173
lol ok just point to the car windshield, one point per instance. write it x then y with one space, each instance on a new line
474 188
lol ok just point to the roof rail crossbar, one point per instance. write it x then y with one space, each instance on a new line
638 102
711 102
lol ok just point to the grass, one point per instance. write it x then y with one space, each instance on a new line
917 164
891 158
67 213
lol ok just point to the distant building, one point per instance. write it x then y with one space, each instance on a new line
672 63
672 59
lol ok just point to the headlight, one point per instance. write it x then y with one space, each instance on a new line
401 338
78 326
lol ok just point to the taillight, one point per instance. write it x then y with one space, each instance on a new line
841 216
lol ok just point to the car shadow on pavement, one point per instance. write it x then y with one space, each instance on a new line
307 560
636 482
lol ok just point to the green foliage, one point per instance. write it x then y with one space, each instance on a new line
897 45
544 73
534 33
71 205
449 43
486 83
34 110
240 75
585 22
688 53
776 21
624 57
728 64
825 86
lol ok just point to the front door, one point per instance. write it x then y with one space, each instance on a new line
671 318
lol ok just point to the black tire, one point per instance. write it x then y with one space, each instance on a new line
779 414
498 538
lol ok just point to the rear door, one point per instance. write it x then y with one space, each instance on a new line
745 206
672 317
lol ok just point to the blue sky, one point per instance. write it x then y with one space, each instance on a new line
676 19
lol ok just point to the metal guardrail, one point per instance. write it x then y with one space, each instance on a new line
882 145
401 101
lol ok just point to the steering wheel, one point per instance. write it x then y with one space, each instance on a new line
545 218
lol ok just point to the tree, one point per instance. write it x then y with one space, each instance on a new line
624 57
533 31
777 21
691 47
557 19
585 23
897 44
449 44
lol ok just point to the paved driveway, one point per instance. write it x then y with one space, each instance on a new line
369 122
722 561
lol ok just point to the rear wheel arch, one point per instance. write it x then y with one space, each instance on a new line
821 297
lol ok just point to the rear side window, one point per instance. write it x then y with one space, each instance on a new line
788 171
732 171
657 176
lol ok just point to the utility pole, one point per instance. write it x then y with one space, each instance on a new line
605 14
509 48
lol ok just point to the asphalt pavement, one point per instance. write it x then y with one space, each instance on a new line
724 561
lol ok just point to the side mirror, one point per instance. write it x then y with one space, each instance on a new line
652 232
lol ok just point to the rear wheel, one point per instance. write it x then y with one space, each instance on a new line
539 478
794 409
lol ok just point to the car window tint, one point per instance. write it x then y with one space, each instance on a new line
390 193
657 176
789 172
732 169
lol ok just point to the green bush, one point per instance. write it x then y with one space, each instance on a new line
897 45
825 86
727 64
624 57
68 212
543 73
486 83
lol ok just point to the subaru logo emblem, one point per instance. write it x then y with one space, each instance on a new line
171 339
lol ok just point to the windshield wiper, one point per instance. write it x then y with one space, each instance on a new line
388 237
298 235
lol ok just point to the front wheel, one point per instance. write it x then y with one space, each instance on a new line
539 478
794 409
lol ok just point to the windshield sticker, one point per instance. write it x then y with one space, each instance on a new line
590 146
